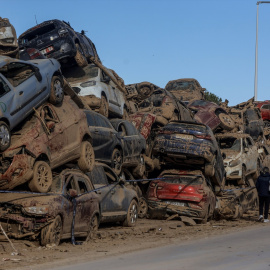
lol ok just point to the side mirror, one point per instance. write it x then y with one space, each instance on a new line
122 181
37 74
73 193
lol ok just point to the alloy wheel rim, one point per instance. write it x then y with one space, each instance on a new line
4 135
43 176
133 213
58 89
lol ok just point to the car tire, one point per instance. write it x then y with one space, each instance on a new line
51 234
104 106
86 161
42 177
209 169
57 91
142 207
132 215
5 136
117 161
79 57
226 122
93 227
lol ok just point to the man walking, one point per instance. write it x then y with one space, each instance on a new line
262 186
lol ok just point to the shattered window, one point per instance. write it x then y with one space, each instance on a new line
176 179
230 143
3 87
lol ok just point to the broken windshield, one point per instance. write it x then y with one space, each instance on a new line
230 143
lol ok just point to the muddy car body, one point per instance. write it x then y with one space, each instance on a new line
190 144
57 39
117 202
8 39
25 85
265 112
212 115
52 137
241 157
186 89
49 216
182 192
98 90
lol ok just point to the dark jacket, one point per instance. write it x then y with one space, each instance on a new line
262 185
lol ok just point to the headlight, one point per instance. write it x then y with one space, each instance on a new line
87 84
39 210
234 163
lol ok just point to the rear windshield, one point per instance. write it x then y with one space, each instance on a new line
199 103
185 180
181 86
230 143
78 74
37 33
185 126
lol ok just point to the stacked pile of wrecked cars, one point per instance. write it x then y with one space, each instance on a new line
80 148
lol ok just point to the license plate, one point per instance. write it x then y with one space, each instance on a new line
183 137
176 203
47 50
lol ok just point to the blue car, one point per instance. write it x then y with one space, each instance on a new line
25 85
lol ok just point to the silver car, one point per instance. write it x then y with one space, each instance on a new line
25 85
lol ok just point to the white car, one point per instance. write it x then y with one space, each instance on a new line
241 156
98 90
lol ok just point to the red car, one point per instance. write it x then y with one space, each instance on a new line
186 193
212 115
265 112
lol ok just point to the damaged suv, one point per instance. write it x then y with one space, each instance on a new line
50 138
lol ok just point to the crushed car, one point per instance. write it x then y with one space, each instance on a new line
57 39
112 146
25 85
190 144
69 209
8 39
241 157
117 202
50 138
98 90
183 192
212 115
186 89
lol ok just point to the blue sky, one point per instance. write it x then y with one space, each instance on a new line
157 41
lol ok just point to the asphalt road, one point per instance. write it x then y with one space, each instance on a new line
248 250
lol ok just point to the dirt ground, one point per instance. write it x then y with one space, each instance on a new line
111 240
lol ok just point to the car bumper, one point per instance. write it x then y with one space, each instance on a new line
233 173
19 172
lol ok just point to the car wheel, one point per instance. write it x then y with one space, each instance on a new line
79 57
142 208
117 161
104 106
209 169
4 136
51 234
132 215
93 227
57 91
226 122
86 161
42 177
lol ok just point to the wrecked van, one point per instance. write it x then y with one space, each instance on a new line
51 137
49 217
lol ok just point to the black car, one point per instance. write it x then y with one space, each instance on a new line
117 202
57 39
190 144
113 147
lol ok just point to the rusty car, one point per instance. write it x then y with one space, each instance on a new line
51 137
98 89
25 85
190 144
241 157
69 209
117 202
111 145
8 39
212 115
186 89
57 39
183 192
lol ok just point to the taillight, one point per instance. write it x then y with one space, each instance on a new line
33 53
205 137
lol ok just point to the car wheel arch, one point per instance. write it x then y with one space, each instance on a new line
6 121
43 157
88 138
